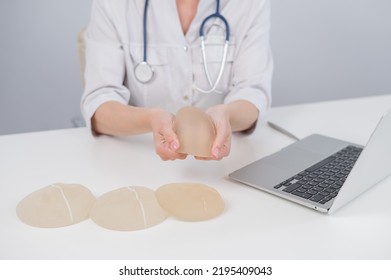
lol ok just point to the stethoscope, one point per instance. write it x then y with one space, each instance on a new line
144 71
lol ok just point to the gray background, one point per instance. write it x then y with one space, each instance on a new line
323 50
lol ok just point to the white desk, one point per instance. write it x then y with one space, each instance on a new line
351 119
255 225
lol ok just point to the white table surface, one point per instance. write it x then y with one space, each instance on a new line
350 119
255 225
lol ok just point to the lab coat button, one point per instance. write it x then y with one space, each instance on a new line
185 48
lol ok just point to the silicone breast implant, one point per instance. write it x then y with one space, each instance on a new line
190 201
57 205
128 209
195 132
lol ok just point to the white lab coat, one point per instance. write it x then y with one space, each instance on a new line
114 46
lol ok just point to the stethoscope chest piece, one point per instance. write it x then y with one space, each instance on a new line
143 72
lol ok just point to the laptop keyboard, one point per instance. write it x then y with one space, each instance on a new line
322 181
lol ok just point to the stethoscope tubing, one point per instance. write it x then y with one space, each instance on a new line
144 72
145 31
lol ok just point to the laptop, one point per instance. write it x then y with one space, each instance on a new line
321 172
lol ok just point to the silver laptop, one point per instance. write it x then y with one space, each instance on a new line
321 172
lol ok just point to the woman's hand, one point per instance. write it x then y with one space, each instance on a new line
238 115
222 144
166 141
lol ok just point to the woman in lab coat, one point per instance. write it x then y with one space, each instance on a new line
116 102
